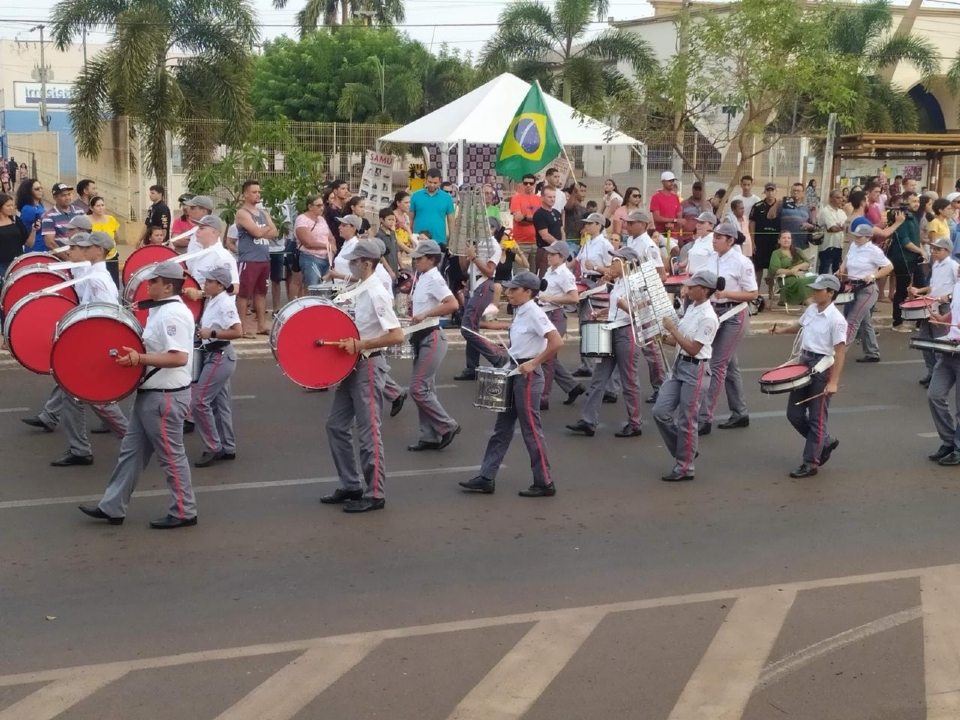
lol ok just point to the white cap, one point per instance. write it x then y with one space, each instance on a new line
952 196
667 176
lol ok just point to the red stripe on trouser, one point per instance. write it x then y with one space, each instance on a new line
169 452
633 414
535 431
820 432
108 418
418 378
375 429
211 441
857 309
722 367
481 306
692 422
656 363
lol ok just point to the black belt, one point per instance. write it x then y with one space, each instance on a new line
686 358
810 358
420 335
726 306
859 284
374 354
216 346
521 361
162 390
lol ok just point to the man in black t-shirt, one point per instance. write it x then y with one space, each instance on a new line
765 232
548 226
159 214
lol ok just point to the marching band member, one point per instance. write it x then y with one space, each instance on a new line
594 259
431 297
156 424
483 258
561 290
678 404
626 359
740 285
701 249
349 226
359 397
97 287
208 232
212 406
946 376
864 264
943 276
533 341
823 332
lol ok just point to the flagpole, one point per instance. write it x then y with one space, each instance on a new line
563 148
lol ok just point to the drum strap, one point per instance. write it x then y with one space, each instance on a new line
623 322
148 304
422 325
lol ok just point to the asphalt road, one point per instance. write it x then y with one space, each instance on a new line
742 594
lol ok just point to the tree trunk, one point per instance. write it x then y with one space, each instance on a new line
566 89
905 28
343 12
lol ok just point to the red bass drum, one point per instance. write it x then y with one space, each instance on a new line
147 255
31 258
135 291
30 326
28 280
302 340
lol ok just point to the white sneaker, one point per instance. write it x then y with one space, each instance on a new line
901 329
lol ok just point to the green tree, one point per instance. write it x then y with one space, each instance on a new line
168 61
547 45
324 12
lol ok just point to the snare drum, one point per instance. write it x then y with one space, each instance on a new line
31 279
86 345
595 339
326 290
135 291
673 283
403 351
942 345
784 379
147 255
303 340
845 295
494 388
30 326
28 259
918 308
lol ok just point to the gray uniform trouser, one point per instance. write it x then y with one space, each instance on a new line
391 388
860 319
75 423
810 418
526 408
211 404
946 375
156 426
472 314
725 369
656 364
429 347
929 331
626 359
553 368
358 400
53 407
676 410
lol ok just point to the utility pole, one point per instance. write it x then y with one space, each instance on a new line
683 44
42 77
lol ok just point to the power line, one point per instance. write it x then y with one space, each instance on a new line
295 25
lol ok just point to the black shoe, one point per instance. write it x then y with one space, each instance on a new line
229 456
466 375
38 423
733 422
479 484
95 512
677 477
448 437
544 406
868 360
188 427
951 459
653 398
71 459
941 453
102 430
804 471
364 505
341 496
610 398
582 372
170 522
629 431
397 405
539 491
704 429
208 458
926 381
574 394
423 445
581 427
828 451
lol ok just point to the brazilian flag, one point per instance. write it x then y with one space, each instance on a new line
531 142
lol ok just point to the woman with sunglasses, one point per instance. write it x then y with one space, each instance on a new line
631 202
30 207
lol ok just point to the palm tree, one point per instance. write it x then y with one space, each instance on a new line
324 12
168 63
539 44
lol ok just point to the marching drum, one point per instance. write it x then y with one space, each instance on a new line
595 339
918 308
147 255
494 388
326 290
673 283
303 340
135 291
86 345
941 345
28 280
31 258
784 379
845 295
403 351
29 328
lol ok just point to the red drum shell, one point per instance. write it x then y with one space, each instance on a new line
81 361
29 259
29 329
28 280
136 291
784 379
146 255
297 327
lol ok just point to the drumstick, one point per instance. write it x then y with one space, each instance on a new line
812 397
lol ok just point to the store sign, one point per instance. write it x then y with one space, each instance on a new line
28 95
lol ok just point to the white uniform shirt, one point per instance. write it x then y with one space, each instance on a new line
700 323
194 244
384 277
528 333
822 330
955 306
646 248
618 291
219 257
943 276
699 253
429 291
341 265
219 313
596 250
374 312
560 281
737 269
98 286
865 260
487 252
170 327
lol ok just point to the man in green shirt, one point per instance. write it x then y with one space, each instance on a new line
906 254
489 198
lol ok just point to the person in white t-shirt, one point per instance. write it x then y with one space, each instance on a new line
746 195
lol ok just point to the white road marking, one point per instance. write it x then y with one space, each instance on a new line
928 435
244 397
721 685
40 502
940 598
13 410
515 683
284 694
62 694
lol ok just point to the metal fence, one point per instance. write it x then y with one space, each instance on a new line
40 151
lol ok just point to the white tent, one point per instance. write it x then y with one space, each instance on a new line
483 116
